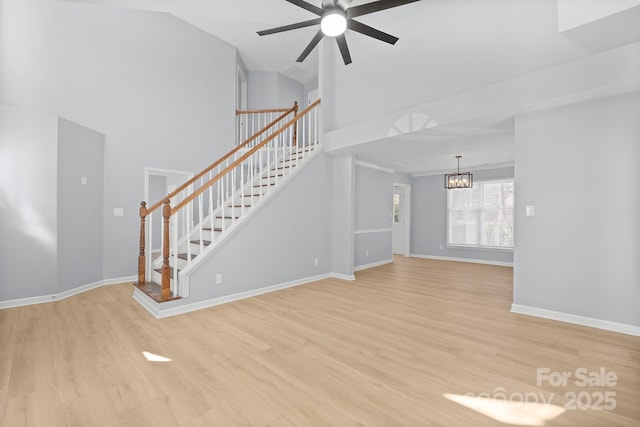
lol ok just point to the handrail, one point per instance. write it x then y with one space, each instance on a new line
248 154
272 110
144 211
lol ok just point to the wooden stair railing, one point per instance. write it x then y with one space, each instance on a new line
144 211
249 122
234 167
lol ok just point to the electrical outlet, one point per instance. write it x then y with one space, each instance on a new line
83 180
218 279
315 262
366 253
441 247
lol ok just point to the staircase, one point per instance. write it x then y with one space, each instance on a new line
202 213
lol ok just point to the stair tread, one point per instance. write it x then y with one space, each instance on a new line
218 229
159 270
204 242
185 256
154 290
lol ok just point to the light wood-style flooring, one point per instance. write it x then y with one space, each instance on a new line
381 351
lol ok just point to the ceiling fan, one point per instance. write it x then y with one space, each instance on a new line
335 16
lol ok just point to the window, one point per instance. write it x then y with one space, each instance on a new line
482 216
396 209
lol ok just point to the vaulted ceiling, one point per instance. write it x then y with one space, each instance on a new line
465 42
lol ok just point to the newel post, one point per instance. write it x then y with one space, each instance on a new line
142 260
166 269
295 125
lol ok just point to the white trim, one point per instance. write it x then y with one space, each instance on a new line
373 264
374 230
156 309
467 169
350 278
372 166
577 320
470 260
65 294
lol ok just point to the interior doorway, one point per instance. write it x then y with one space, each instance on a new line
157 184
402 219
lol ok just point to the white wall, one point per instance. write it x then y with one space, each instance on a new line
578 165
162 91
572 13
447 47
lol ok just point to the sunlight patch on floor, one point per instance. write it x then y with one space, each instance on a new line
154 357
515 413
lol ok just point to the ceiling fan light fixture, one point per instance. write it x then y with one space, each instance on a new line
333 23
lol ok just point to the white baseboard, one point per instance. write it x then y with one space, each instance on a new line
159 313
577 320
373 264
343 276
65 294
471 260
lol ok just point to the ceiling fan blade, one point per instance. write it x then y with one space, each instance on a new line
308 6
307 50
289 27
371 32
344 49
375 6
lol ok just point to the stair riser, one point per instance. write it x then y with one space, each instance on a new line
234 211
247 200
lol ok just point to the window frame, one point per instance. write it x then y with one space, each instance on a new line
479 246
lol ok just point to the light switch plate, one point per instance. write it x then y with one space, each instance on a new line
531 210
118 211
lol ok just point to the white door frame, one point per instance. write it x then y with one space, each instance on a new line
150 171
241 89
161 172
406 207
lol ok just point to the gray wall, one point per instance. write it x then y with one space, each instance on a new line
162 91
28 198
578 165
373 221
342 213
80 206
277 245
270 89
429 219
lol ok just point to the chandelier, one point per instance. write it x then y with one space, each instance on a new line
457 179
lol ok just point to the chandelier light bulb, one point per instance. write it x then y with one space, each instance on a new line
333 23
